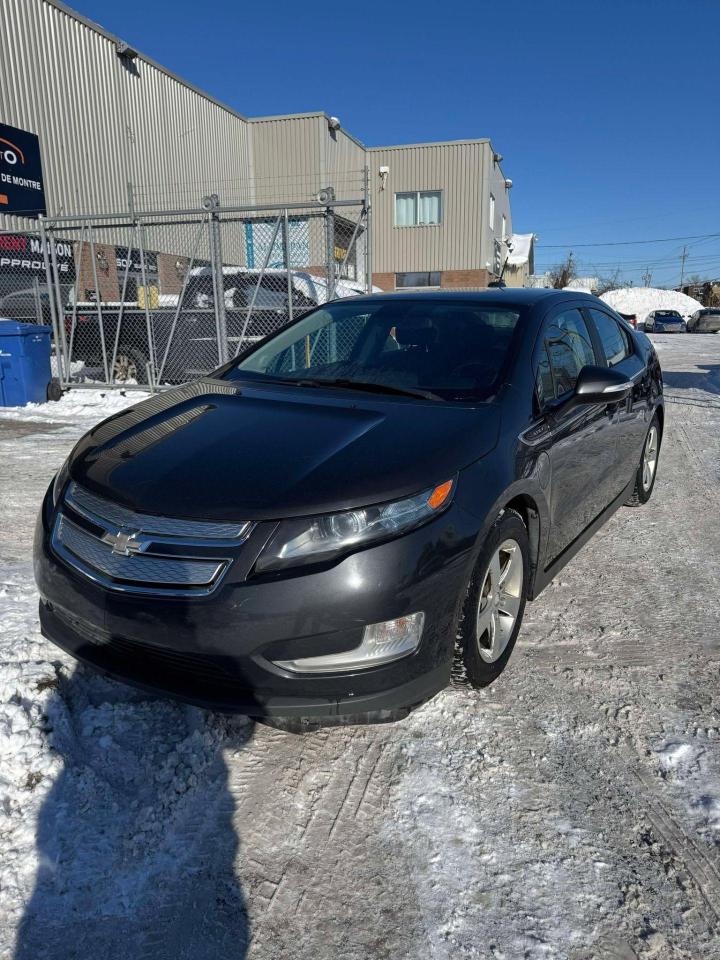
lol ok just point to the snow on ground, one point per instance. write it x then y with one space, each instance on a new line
571 810
642 300
76 405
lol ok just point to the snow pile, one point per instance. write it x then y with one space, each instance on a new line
77 405
642 300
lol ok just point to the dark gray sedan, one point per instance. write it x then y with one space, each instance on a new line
357 508
704 321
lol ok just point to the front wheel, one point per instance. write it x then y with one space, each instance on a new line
647 468
495 603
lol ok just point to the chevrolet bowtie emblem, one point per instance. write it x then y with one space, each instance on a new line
124 543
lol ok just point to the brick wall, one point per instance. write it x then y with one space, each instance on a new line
464 278
107 273
386 281
449 279
171 271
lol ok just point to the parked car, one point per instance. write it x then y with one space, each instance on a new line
704 321
630 317
665 321
30 305
186 347
307 531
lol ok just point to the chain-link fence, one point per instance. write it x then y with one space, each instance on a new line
155 299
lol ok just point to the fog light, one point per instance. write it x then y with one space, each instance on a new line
381 643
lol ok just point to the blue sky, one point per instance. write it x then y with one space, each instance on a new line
606 113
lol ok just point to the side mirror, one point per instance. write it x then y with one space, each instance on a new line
601 385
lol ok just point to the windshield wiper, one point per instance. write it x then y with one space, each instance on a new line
369 387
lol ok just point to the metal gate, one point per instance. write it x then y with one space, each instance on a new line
154 299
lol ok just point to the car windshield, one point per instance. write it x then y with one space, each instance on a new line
667 315
449 350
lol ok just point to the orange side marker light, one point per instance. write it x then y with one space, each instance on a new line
440 494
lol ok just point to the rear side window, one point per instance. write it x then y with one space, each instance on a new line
567 349
615 341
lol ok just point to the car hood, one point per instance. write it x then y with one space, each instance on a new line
233 451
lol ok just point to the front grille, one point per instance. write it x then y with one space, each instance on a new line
139 568
97 508
141 553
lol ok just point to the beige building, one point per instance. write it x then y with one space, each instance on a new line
441 214
440 211
104 126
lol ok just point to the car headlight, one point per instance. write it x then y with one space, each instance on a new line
60 481
313 539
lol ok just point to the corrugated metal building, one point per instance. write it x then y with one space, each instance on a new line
440 209
105 120
114 128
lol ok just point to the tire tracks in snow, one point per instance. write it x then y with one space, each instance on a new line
685 850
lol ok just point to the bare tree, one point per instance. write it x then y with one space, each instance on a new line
611 281
561 275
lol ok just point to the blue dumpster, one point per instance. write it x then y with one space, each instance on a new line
24 363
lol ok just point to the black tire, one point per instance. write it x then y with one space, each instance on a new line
471 666
54 390
643 491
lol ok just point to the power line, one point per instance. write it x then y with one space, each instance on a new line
633 264
625 243
624 220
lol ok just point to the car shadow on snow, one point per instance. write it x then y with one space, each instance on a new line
136 846
706 377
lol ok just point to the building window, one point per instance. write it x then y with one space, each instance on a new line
417 208
430 279
504 227
492 212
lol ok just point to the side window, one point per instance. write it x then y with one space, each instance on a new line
568 348
269 299
615 341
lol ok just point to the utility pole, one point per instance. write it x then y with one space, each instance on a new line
683 258
647 277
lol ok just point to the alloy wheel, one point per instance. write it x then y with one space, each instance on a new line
499 601
650 456
124 368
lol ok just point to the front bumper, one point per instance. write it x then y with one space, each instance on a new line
220 651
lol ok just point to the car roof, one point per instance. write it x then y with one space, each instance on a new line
495 296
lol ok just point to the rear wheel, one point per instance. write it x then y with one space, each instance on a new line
495 603
129 365
647 468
